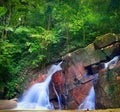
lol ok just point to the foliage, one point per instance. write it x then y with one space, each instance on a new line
35 33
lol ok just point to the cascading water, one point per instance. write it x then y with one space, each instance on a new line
89 102
59 102
111 62
37 97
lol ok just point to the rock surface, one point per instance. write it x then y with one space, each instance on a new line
7 104
91 60
88 60
107 39
108 89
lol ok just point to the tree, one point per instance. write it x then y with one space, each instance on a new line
36 33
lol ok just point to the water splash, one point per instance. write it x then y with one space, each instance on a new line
89 102
111 63
37 97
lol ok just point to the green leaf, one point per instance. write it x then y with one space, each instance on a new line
22 29
3 10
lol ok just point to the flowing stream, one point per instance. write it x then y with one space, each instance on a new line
110 64
59 102
37 96
89 102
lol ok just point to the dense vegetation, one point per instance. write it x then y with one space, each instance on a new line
36 32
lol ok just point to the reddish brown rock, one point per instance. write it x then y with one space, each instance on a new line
79 93
69 84
74 71
59 81
75 91
40 78
58 78
72 105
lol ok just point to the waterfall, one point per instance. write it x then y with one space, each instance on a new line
111 63
59 102
37 96
89 102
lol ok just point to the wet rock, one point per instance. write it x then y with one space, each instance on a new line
72 105
59 80
7 104
89 60
79 93
108 89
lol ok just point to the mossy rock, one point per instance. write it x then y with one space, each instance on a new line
107 39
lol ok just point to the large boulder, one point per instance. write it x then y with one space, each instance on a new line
89 60
108 89
103 48
106 40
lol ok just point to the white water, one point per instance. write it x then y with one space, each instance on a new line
89 102
37 97
59 102
111 63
